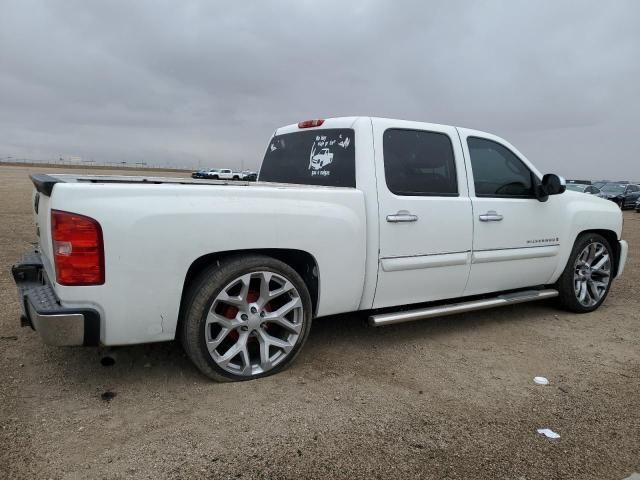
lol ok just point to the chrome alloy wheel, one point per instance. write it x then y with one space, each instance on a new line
592 274
254 323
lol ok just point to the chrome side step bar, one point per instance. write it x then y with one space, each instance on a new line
442 310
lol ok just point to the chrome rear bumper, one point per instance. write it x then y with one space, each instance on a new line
42 311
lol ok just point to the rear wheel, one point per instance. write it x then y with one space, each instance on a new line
246 318
586 279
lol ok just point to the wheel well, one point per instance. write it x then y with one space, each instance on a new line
301 261
612 238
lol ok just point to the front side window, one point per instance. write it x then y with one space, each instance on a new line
419 163
497 171
312 157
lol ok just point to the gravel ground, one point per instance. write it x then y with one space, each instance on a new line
444 398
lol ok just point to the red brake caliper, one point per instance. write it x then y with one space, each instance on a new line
230 311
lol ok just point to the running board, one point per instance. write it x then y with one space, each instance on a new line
442 310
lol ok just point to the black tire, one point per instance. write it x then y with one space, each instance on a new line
568 299
205 288
236 178
215 177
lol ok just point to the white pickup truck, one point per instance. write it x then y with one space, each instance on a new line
431 218
223 174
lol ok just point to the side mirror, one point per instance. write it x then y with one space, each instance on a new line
551 184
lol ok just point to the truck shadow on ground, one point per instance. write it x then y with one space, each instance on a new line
340 335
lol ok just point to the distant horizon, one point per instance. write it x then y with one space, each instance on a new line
145 166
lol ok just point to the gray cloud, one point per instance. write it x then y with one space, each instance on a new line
198 82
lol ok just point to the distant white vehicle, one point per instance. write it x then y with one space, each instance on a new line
321 159
223 174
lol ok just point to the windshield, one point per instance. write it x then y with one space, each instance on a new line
613 188
576 187
313 157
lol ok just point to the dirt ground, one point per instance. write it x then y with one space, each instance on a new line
444 398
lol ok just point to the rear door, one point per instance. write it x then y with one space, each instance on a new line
516 237
425 213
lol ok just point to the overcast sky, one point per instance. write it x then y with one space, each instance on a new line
204 82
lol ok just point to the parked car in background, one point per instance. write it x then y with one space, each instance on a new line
599 184
638 206
624 195
249 175
199 173
578 187
222 174
416 213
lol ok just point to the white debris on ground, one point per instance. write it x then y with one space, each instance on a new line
541 380
547 432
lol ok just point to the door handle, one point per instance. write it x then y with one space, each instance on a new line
402 216
491 216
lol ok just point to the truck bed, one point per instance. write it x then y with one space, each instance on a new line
44 182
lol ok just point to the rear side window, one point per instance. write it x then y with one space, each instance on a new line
497 171
313 157
420 163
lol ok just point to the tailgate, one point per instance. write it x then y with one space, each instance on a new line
42 193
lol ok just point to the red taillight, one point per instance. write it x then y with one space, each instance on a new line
78 250
310 123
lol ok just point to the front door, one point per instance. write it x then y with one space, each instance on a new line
425 213
516 237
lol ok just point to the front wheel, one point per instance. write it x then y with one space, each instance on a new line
246 318
586 279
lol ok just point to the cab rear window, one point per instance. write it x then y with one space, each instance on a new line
314 157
